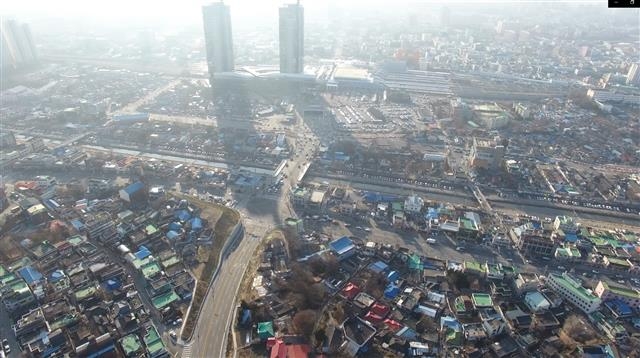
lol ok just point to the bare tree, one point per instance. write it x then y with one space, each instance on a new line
304 322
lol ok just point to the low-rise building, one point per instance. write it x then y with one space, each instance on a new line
413 204
358 333
486 154
533 241
610 291
536 301
572 290
526 282
343 248
617 263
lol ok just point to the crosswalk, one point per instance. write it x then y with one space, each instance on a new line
186 352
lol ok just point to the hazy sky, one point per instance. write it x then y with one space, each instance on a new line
188 8
244 13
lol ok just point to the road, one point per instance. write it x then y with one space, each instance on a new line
259 216
133 106
217 311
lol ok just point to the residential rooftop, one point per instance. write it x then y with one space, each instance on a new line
152 341
574 286
474 266
621 290
130 344
164 299
482 300
85 292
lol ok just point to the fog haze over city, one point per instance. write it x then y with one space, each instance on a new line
319 178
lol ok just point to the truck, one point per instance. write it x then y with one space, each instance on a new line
431 241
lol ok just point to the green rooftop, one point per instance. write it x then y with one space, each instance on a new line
5 280
173 260
75 240
20 263
300 192
574 286
597 241
474 266
165 299
152 341
131 345
621 290
150 230
468 224
459 305
454 338
614 243
85 292
19 287
619 262
481 300
415 262
397 206
494 269
137 263
151 269
265 330
3 272
43 249
64 321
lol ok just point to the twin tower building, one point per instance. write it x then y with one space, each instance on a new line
219 43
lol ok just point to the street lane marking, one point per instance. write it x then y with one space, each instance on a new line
186 351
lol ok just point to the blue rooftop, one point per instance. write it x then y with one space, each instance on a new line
341 245
378 267
183 215
57 275
172 235
196 224
391 291
377 197
77 224
432 213
133 188
619 307
30 275
175 226
142 253
570 237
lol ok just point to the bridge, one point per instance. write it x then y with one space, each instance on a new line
72 140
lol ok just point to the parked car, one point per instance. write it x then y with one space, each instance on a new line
5 346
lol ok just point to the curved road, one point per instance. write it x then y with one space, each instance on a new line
259 215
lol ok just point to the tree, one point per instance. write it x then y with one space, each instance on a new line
375 285
426 325
304 322
326 265
634 344
320 336
578 329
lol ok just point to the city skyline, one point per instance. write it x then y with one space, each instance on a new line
218 37
291 39
351 178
